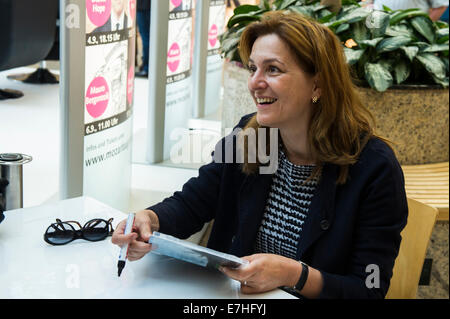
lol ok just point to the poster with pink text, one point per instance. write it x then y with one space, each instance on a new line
108 100
214 64
109 68
180 41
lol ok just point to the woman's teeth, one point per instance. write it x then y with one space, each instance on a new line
265 100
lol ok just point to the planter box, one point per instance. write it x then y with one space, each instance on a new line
414 118
237 100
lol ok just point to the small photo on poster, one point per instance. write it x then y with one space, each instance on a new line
109 15
179 5
179 46
106 81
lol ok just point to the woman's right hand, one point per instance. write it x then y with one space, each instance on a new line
145 222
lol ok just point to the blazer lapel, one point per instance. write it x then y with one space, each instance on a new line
321 210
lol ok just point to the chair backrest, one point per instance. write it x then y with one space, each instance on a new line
53 54
27 32
415 238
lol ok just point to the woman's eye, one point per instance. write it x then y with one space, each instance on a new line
273 69
252 68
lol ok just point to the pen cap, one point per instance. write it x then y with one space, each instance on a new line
130 223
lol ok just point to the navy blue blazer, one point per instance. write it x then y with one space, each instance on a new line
349 227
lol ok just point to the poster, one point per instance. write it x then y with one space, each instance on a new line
108 100
179 69
214 64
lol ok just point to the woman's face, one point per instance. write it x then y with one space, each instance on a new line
281 90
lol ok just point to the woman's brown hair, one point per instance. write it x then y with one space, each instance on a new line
340 125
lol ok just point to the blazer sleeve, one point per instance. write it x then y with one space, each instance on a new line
186 211
382 215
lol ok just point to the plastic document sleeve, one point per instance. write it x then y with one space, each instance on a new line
183 250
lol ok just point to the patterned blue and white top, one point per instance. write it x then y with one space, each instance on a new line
286 208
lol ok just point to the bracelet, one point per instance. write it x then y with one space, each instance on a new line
303 277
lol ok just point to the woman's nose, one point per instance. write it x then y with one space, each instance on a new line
257 81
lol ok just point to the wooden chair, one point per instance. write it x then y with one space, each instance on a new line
415 238
428 183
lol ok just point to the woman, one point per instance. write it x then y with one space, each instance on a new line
336 204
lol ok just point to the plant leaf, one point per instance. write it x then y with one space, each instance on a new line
443 39
286 3
445 61
370 43
388 63
401 71
410 52
406 14
436 48
320 7
343 27
441 24
442 32
391 44
264 4
327 18
442 35
239 18
443 82
305 10
432 64
399 30
229 43
425 27
377 22
245 8
421 45
352 16
378 77
359 31
349 2
353 56
356 15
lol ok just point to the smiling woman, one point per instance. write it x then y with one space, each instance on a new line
308 65
336 202
272 70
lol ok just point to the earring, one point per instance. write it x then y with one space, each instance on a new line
314 99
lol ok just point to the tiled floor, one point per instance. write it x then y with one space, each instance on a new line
437 251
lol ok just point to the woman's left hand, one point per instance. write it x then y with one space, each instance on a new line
265 272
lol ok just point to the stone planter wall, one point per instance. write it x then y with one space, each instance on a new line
236 98
415 120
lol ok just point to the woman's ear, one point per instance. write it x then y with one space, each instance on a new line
317 92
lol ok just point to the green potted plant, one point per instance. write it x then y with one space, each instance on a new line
398 58
384 47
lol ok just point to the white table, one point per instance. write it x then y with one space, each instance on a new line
31 268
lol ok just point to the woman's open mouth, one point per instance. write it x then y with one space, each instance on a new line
264 101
